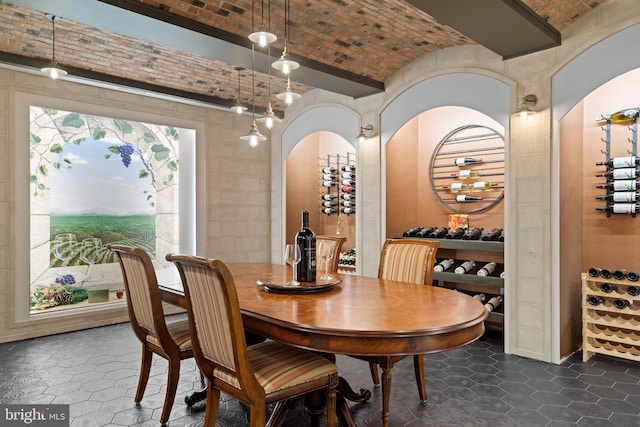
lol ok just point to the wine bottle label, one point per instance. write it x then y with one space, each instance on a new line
465 173
348 196
328 177
328 196
625 196
625 173
328 204
348 168
348 182
328 170
624 208
464 198
348 175
456 186
347 204
623 162
328 211
348 210
624 185
481 185
328 183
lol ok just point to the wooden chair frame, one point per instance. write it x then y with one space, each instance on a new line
249 391
154 333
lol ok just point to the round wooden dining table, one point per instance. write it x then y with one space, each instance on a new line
359 316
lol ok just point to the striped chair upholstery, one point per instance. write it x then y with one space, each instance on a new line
170 340
409 261
256 375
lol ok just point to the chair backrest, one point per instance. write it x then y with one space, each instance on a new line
143 296
408 260
337 243
217 332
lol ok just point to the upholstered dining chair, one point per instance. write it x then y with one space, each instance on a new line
337 243
170 340
410 261
257 375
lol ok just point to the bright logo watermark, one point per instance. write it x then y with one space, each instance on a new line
34 415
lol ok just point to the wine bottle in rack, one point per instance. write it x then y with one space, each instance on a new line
483 185
607 287
465 267
412 232
595 300
633 276
503 275
455 234
621 173
480 297
487 269
472 234
626 115
348 175
620 208
493 303
328 177
619 274
348 182
443 265
306 240
425 232
464 161
620 197
620 185
439 233
501 238
346 196
348 211
593 272
328 211
328 196
465 198
634 291
328 204
456 186
621 162
328 183
329 170
466 174
348 203
494 234
605 273
621 304
350 189
349 168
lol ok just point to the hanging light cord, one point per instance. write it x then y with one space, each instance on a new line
253 80
287 25
53 35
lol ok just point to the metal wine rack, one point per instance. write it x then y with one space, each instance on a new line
614 183
474 187
342 187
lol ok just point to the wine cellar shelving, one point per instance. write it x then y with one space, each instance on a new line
338 184
610 320
467 169
621 173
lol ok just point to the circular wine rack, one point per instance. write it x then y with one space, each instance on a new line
473 186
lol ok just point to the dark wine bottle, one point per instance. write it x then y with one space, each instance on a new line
474 234
621 162
348 204
412 232
348 182
480 297
620 173
455 234
633 276
328 183
348 175
462 198
593 272
492 235
439 233
606 273
487 269
306 240
425 232
443 265
595 300
348 211
348 189
621 303
348 197
328 177
329 170
620 196
328 197
634 291
607 287
465 267
463 161
619 274
348 168
329 204
328 211
493 303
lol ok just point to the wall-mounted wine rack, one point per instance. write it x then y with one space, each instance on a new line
466 170
338 184
621 172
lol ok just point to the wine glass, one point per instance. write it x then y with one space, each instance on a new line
63 246
325 252
91 251
292 257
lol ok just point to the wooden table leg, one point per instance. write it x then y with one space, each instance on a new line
386 366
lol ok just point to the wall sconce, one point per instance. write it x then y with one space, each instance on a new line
53 70
365 132
526 107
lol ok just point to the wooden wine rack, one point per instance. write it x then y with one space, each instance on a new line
605 328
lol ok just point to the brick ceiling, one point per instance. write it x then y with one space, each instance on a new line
365 40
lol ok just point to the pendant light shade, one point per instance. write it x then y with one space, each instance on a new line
53 70
263 37
238 107
269 119
288 96
253 136
285 64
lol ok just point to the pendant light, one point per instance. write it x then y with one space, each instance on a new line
53 71
253 136
238 107
284 64
269 119
263 37
288 96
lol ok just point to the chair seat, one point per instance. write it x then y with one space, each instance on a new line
278 367
179 331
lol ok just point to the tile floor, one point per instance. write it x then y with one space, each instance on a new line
96 372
